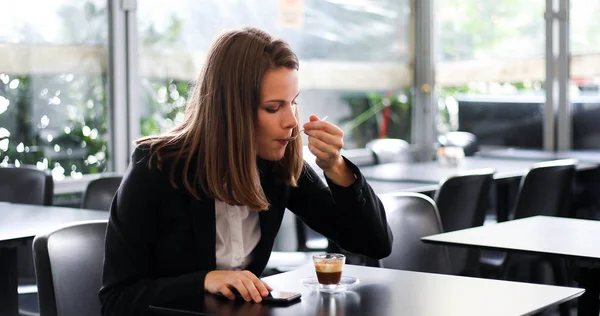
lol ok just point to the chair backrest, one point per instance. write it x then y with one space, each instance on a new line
305 236
100 192
360 156
465 140
546 189
462 201
412 216
26 185
390 150
68 267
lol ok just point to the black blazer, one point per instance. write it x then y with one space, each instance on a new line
160 241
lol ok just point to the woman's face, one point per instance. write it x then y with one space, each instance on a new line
276 112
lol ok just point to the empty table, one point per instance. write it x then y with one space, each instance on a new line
393 292
589 156
432 171
381 187
508 172
543 235
20 222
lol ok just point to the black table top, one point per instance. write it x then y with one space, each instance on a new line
433 171
590 156
556 236
395 292
18 221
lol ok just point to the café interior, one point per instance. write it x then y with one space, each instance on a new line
476 123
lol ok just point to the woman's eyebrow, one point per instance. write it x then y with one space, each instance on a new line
281 100
275 101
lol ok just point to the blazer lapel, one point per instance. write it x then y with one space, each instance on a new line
203 222
270 220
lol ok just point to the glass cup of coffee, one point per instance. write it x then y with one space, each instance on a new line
329 268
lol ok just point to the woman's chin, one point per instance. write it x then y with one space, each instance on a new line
272 156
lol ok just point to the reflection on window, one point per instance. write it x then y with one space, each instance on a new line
479 29
490 70
353 58
52 86
585 74
585 26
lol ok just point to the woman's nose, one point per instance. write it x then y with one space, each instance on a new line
290 119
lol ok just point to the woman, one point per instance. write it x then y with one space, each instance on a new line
199 207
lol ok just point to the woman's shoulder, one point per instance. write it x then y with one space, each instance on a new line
154 155
147 169
141 151
144 155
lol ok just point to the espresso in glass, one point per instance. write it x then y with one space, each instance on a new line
329 268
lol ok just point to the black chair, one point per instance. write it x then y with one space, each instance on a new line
100 192
26 185
308 239
462 201
390 150
312 241
412 216
360 156
544 190
68 265
465 140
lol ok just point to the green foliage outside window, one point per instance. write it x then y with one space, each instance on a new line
165 101
367 115
55 122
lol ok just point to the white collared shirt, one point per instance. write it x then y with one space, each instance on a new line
238 233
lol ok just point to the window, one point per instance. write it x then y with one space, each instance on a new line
585 74
353 58
490 70
52 85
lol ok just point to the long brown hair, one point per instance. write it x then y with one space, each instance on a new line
214 147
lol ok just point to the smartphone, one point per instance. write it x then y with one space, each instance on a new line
281 297
273 297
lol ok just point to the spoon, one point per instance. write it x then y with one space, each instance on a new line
293 138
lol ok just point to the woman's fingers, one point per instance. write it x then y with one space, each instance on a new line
327 156
253 292
224 289
334 141
240 286
325 126
328 150
325 141
245 283
319 154
260 286
269 288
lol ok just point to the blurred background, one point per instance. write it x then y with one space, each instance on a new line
81 80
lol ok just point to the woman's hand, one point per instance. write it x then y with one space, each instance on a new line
245 282
325 141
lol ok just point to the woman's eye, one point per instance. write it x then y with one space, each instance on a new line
271 110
